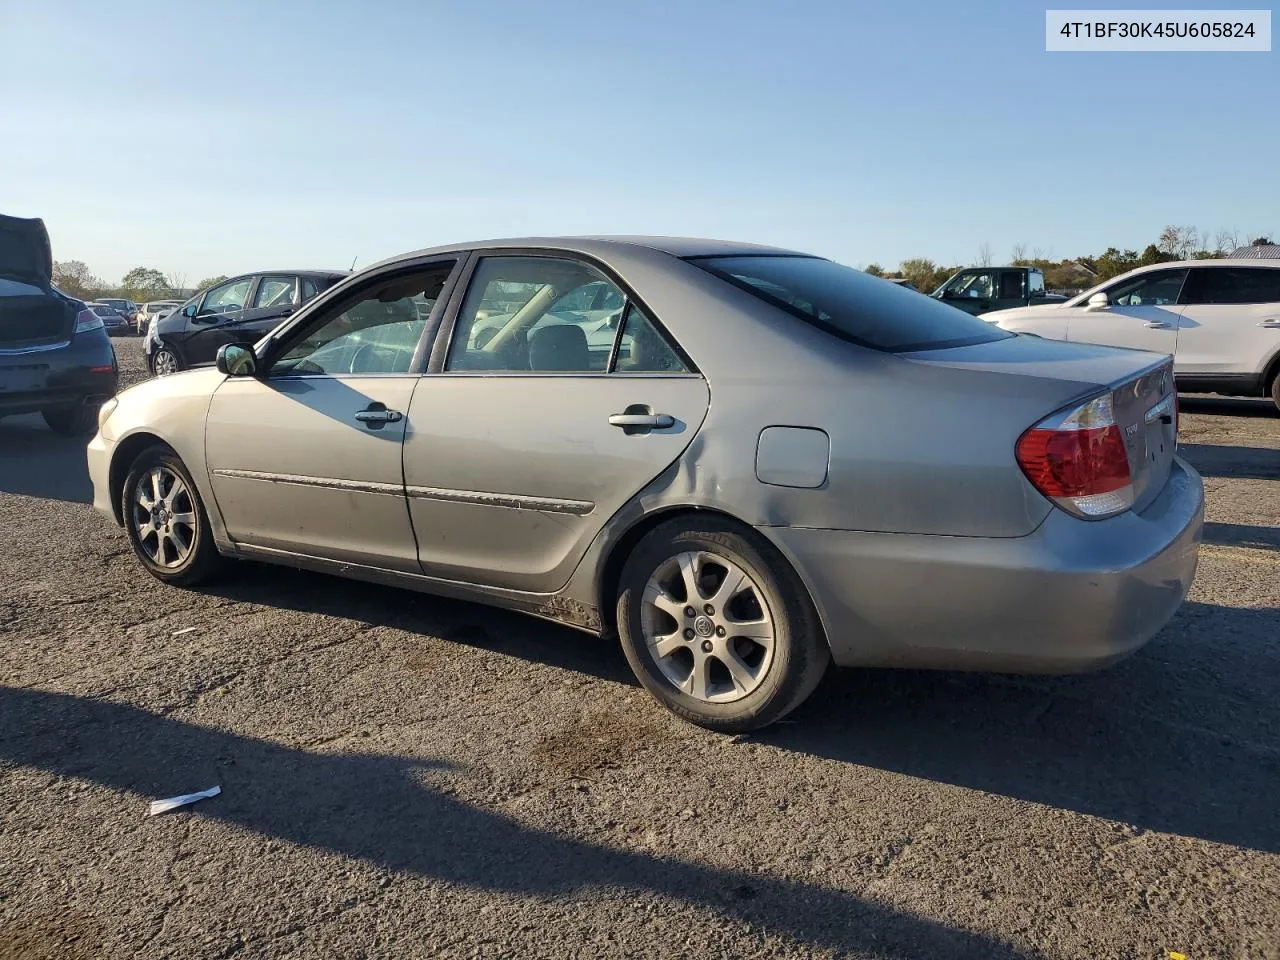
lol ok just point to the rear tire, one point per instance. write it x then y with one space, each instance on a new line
165 519
76 421
733 669
1275 390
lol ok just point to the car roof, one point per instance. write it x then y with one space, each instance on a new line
600 245
1217 262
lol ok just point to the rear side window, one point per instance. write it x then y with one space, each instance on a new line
1233 285
851 304
1011 285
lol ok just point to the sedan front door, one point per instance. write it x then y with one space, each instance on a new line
530 435
1230 326
1141 314
306 456
214 321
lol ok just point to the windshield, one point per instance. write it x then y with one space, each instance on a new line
851 304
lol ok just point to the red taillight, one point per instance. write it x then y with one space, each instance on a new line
87 320
1078 460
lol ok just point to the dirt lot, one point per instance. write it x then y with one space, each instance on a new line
410 777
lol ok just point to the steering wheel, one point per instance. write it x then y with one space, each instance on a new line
362 355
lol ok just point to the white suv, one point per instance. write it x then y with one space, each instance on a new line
1219 318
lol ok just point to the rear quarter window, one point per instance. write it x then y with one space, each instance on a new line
852 305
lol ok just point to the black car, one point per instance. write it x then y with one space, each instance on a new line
55 358
240 310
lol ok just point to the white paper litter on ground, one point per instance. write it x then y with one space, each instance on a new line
178 633
163 806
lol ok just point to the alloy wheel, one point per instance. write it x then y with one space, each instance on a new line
165 363
708 627
164 517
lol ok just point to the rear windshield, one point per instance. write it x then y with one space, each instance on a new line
851 304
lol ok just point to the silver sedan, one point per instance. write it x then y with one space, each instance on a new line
747 464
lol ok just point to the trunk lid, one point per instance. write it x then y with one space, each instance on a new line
1141 386
31 314
25 254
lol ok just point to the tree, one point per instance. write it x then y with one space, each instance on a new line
1178 242
176 282
1227 240
1018 254
984 254
72 277
875 270
208 282
925 275
144 283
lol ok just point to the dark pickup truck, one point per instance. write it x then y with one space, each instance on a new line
983 289
55 358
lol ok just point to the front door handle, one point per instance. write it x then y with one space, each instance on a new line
1271 323
646 421
1157 325
376 415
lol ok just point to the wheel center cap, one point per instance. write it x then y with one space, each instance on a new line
161 515
703 627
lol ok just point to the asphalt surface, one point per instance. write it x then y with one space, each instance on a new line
405 777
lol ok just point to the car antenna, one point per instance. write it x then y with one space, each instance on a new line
353 261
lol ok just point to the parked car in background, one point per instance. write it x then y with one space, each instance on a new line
880 480
154 309
240 310
979 290
126 308
903 282
55 358
112 319
1219 319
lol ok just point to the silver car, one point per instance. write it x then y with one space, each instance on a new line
769 462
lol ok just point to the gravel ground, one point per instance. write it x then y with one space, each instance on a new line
404 776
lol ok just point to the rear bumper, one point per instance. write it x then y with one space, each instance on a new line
1073 595
84 371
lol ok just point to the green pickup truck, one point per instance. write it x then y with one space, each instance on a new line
983 289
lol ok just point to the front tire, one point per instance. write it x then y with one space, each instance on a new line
1275 390
166 521
165 362
717 626
75 421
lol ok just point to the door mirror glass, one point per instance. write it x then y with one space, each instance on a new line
236 360
189 310
1098 301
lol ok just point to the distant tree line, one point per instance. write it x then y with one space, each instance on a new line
140 284
1079 273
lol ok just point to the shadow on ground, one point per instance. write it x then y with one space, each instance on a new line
1242 535
36 462
1227 406
325 801
1244 463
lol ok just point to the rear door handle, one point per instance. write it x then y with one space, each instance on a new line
1270 322
650 421
1157 325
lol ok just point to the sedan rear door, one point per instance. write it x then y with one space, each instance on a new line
529 435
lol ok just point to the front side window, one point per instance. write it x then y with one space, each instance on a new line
227 298
375 331
852 305
975 284
275 292
1159 289
536 314
1233 285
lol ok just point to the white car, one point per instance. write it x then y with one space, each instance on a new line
1220 319
156 309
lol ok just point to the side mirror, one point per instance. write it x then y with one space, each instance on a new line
1097 302
189 310
237 360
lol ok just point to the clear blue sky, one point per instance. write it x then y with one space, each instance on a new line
205 138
